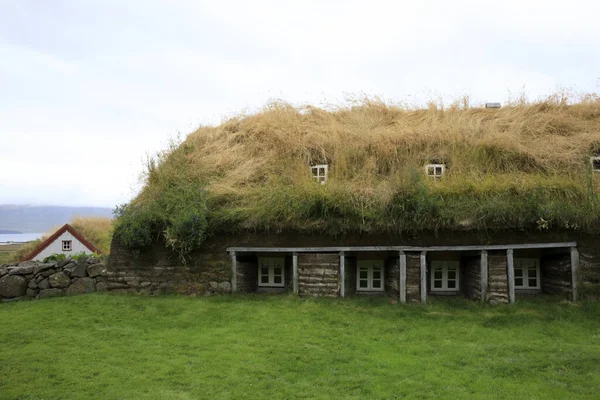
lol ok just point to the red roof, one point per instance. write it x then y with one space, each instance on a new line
56 235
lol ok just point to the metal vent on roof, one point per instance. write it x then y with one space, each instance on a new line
492 105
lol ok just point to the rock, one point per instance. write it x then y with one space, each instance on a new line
50 293
116 285
82 285
68 270
62 263
13 299
3 271
47 273
493 302
43 267
80 271
43 284
32 292
145 284
70 265
93 260
23 268
59 280
225 287
12 286
32 284
214 285
101 286
95 270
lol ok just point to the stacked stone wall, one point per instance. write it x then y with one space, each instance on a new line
392 278
556 274
497 277
318 274
413 277
472 277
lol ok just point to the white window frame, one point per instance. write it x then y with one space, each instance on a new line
370 265
444 265
271 263
592 159
316 172
518 265
430 171
67 245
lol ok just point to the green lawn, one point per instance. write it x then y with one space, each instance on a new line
269 347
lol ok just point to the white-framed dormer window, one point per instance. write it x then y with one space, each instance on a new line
369 275
595 161
271 271
527 273
67 245
319 172
435 171
445 276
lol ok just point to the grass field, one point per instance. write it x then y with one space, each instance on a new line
7 252
265 347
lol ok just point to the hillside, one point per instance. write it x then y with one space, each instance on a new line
524 166
38 219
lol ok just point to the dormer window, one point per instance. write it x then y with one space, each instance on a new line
319 172
595 161
435 171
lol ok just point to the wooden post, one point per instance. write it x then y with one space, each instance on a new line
233 272
295 272
510 269
402 277
342 274
574 271
423 277
484 274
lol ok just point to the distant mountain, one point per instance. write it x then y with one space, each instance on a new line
39 219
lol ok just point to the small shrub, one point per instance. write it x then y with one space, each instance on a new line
55 257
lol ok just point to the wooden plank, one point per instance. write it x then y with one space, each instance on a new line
510 268
402 277
233 272
574 271
295 272
342 274
484 274
423 277
337 249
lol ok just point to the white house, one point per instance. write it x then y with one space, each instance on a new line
65 241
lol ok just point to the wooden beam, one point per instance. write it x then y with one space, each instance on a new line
574 272
423 277
402 262
342 274
233 272
483 264
295 272
510 269
337 249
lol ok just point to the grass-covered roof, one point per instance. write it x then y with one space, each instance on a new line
525 165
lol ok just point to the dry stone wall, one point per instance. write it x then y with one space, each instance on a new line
497 277
413 277
472 276
38 280
318 274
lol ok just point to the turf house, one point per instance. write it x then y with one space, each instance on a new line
373 199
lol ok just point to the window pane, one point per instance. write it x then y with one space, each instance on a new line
518 272
518 281
277 279
363 283
321 171
437 284
438 170
437 273
277 271
364 273
532 273
451 274
532 282
376 283
264 279
451 284
264 271
376 273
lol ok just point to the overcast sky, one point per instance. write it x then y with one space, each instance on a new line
88 88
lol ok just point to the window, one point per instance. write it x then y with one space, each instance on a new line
527 273
67 245
370 275
595 161
435 171
319 172
444 276
271 272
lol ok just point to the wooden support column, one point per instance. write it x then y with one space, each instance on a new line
342 274
402 277
574 271
484 274
233 272
423 277
510 270
295 272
